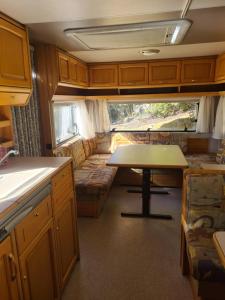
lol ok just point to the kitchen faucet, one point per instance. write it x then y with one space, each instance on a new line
15 152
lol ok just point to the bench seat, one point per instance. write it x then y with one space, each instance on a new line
205 263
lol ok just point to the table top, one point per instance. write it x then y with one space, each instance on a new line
148 156
213 167
219 241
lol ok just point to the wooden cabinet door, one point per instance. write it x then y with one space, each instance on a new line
167 72
67 244
64 69
133 74
197 70
8 272
220 68
14 56
82 74
38 268
73 70
103 75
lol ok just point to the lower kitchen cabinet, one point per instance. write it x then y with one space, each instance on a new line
8 272
38 267
67 244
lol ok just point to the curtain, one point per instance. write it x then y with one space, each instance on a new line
219 129
84 124
98 112
26 122
206 115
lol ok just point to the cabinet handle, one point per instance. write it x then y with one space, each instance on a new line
24 277
57 228
12 266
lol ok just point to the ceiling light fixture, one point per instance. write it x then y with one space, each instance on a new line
149 52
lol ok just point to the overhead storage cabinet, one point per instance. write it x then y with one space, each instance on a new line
103 75
72 71
15 71
164 72
133 74
198 70
220 68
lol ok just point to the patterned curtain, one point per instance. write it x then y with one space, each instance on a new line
26 122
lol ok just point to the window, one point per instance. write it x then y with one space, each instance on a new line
164 116
64 121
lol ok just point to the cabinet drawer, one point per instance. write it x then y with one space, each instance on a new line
33 223
62 186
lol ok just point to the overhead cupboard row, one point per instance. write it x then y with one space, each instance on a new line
200 70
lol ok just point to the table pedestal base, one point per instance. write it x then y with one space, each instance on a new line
146 200
151 216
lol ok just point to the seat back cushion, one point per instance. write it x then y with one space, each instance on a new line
206 201
220 156
87 148
78 153
103 143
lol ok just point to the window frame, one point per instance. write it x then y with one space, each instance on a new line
114 130
76 136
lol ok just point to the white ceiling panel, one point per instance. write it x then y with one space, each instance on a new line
33 11
191 50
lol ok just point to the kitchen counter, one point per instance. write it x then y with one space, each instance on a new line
21 176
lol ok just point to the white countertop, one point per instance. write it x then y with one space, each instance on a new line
22 175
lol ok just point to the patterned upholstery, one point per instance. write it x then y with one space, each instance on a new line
205 214
92 178
78 153
92 145
103 143
93 181
220 157
205 264
87 148
195 160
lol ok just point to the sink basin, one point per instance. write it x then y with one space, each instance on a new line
13 185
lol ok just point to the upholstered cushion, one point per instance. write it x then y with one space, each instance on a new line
195 160
103 143
95 161
204 260
94 181
92 145
205 201
78 153
87 149
64 151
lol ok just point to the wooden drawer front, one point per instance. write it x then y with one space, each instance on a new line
198 70
31 225
103 75
220 68
133 74
164 72
62 186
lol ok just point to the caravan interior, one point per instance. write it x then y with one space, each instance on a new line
112 150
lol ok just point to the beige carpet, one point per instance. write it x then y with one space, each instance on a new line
130 259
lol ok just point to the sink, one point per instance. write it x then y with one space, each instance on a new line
13 185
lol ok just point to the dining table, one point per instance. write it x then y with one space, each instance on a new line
148 157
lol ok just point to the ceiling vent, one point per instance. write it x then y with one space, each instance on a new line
136 35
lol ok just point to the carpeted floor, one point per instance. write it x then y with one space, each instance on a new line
130 259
